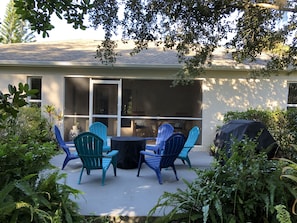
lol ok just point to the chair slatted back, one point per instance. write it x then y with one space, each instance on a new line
192 137
60 140
100 130
164 132
173 145
89 148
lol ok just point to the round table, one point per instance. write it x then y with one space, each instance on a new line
129 148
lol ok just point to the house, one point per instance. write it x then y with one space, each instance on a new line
134 96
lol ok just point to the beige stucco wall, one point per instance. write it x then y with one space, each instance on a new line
52 86
221 95
13 79
53 91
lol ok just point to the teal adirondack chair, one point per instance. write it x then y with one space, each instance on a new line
89 147
189 144
100 130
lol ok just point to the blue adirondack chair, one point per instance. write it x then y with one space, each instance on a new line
100 130
189 144
157 162
164 132
65 146
89 147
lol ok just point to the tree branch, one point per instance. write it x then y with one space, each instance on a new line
279 7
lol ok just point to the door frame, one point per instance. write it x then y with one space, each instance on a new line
119 102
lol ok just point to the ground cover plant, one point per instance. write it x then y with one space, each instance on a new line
247 188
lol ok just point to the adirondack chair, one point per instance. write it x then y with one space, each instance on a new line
90 150
189 144
157 162
164 132
65 146
100 130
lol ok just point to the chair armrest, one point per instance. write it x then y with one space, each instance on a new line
150 138
149 153
111 153
69 142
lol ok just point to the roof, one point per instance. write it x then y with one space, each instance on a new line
82 52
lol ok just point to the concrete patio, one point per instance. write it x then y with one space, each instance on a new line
126 194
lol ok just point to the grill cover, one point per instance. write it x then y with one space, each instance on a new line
239 129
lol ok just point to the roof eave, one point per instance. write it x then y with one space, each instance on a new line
69 64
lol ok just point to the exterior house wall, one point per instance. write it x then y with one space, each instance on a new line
53 91
235 93
231 92
225 86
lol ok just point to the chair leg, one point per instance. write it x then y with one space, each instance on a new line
66 160
158 172
81 172
103 176
140 163
114 164
189 162
174 170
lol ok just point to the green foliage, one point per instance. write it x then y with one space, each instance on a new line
30 191
13 29
39 199
283 216
29 124
289 173
13 100
26 145
246 189
39 13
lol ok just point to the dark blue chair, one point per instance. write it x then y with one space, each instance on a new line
173 145
164 132
89 147
189 144
100 130
65 146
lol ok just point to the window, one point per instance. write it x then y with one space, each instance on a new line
76 106
35 83
292 96
158 98
148 103
145 105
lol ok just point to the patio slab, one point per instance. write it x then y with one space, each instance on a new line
126 194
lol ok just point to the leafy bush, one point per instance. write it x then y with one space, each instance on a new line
13 100
29 124
26 147
40 200
246 189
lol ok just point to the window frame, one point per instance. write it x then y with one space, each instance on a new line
37 101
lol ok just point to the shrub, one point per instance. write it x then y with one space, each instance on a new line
26 147
246 189
38 200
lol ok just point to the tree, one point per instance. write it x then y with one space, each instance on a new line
13 29
247 28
